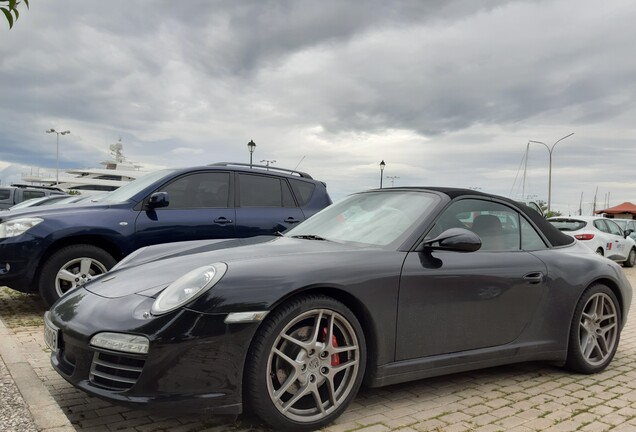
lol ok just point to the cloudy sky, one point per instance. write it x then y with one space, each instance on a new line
446 92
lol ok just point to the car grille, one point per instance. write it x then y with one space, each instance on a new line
115 372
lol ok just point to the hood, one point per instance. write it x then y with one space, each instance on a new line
159 266
53 209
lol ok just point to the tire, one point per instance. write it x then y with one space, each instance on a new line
70 267
600 252
631 258
595 330
290 367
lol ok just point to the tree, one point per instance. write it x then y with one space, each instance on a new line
10 10
544 209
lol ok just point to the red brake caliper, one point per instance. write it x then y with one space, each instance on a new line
335 358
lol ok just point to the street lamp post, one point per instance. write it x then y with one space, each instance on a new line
382 165
550 149
392 178
57 152
251 146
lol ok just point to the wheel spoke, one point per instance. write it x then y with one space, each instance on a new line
316 330
288 382
332 391
295 341
318 401
285 357
342 349
67 276
344 366
329 340
85 266
303 391
607 328
587 346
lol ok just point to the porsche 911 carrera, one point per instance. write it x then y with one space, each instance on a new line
383 287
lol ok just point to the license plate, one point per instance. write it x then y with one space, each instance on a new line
50 334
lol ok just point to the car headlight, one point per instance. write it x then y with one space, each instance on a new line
15 227
188 287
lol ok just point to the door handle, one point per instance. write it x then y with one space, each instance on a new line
222 221
534 277
291 220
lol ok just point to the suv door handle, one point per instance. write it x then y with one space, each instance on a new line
222 220
291 220
534 277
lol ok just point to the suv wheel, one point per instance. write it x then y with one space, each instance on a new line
71 267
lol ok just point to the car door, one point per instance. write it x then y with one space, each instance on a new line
265 205
621 246
453 301
199 208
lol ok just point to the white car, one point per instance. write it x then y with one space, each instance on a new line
602 235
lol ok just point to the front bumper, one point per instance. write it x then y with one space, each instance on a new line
194 363
19 258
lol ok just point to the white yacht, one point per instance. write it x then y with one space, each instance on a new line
115 173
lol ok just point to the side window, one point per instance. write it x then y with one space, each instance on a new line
600 225
496 224
5 194
263 191
200 190
303 190
613 228
530 239
32 194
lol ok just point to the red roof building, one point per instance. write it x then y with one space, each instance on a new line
627 209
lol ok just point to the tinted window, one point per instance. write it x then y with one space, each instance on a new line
496 224
263 191
5 194
200 190
303 190
567 224
600 225
32 194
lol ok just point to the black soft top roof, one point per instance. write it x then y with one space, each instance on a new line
554 236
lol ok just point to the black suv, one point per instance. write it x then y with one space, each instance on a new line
54 249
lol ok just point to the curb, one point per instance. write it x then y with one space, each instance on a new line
46 413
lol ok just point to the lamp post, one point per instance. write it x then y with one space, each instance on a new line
57 152
251 146
392 178
550 149
382 165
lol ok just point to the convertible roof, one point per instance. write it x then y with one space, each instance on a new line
554 236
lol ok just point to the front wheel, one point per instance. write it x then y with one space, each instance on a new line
631 258
306 364
71 267
595 330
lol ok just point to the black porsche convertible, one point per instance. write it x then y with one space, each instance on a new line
383 287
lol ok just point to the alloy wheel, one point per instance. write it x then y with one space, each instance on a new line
76 273
313 365
598 329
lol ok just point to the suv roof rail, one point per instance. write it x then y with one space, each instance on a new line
26 186
268 168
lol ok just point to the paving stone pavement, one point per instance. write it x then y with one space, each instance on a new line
519 398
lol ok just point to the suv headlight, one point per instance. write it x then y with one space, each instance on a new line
15 227
188 287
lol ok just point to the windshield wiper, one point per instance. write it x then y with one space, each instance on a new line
309 237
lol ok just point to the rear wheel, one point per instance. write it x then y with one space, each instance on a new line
631 258
595 330
306 364
71 267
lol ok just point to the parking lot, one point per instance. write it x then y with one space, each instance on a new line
524 397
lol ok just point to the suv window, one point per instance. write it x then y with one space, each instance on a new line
28 194
262 191
303 190
5 194
199 190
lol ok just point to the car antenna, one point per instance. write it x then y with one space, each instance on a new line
301 159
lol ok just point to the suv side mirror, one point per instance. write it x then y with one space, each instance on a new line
627 232
158 200
453 239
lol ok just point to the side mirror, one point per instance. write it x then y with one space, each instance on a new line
453 239
158 200
628 232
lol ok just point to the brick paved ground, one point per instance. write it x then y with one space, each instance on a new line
518 398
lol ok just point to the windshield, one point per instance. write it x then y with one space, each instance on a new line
131 189
371 218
